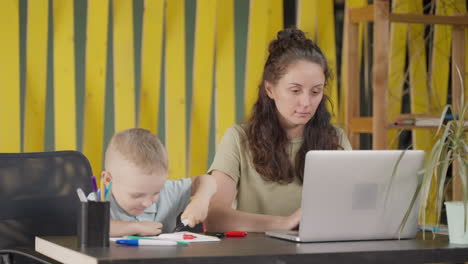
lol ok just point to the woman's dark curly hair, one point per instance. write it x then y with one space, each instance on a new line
266 138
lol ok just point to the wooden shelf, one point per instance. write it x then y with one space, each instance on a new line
429 19
411 127
380 15
408 127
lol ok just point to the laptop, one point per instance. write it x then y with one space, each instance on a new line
344 196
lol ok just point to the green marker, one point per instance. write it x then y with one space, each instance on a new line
108 192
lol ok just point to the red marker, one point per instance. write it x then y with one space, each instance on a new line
235 233
188 236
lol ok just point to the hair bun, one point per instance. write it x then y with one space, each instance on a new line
291 34
288 38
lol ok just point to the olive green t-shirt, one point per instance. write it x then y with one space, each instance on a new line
254 194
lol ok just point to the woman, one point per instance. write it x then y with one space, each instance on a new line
259 165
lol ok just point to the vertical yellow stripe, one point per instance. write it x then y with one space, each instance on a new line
422 139
202 85
64 76
326 41
275 18
225 63
175 88
124 76
258 38
9 77
36 73
344 60
418 79
307 17
153 20
95 83
440 57
396 68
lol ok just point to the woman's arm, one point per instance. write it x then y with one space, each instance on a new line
203 188
222 217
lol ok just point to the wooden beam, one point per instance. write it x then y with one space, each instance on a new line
361 125
458 74
458 66
352 83
380 74
429 19
361 14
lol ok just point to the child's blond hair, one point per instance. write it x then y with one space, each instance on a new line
140 147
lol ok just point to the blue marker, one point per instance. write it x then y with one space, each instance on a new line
146 242
429 229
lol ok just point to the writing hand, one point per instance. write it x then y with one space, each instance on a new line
196 211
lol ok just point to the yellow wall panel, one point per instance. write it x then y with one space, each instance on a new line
225 62
36 73
175 89
307 17
422 139
95 82
124 71
257 47
151 56
10 140
202 85
275 17
396 76
64 76
440 59
417 72
326 42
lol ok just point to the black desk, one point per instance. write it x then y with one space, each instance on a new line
258 248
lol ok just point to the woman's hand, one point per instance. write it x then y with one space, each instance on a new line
292 221
196 211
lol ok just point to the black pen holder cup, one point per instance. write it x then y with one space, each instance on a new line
93 224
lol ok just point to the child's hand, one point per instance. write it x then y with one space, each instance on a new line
196 211
147 228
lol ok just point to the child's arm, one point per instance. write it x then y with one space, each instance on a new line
203 188
124 228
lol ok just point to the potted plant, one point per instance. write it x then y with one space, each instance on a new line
449 149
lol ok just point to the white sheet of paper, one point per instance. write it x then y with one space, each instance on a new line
179 236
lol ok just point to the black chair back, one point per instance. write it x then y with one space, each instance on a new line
38 195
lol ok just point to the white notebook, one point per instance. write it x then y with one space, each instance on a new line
179 236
